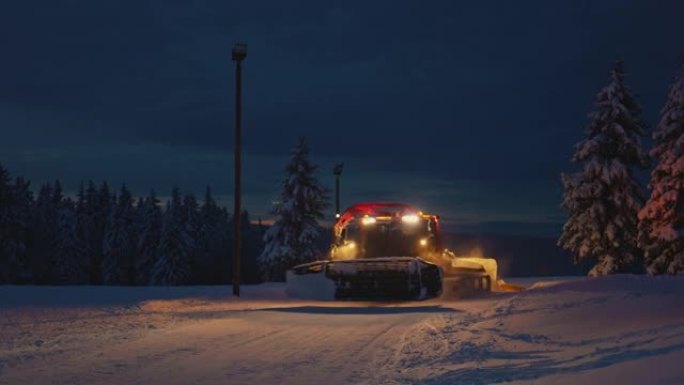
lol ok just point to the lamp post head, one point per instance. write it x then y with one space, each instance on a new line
337 170
239 52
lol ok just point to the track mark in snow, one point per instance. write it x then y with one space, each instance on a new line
492 345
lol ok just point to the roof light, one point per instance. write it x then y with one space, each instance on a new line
410 218
368 220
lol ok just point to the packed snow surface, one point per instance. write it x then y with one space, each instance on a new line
608 330
310 286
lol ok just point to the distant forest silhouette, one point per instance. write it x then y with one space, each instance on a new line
102 236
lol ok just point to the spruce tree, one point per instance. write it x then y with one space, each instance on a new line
604 198
119 244
138 214
191 221
292 238
57 195
172 266
223 256
68 261
81 198
148 242
212 259
6 239
82 218
54 204
14 205
87 223
21 230
661 221
99 207
43 225
252 241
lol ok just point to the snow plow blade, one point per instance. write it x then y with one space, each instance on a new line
391 278
467 282
466 277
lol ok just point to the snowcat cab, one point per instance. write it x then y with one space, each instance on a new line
373 230
389 251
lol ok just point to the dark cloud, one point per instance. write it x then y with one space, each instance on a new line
490 95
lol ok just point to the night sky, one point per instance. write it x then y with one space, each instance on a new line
465 109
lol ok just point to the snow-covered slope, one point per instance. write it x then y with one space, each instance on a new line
619 329
609 330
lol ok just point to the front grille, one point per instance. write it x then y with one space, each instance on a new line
375 279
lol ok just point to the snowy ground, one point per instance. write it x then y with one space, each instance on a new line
612 330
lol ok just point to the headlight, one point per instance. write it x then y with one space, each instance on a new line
368 220
410 218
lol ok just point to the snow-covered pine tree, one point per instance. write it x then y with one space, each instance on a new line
172 265
212 260
51 214
119 246
252 242
81 216
57 195
138 213
12 229
20 228
68 262
97 211
191 222
7 241
603 199
150 230
80 198
42 235
292 238
87 224
661 221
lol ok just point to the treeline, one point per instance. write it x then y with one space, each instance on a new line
112 238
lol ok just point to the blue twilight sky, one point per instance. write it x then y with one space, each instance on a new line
466 109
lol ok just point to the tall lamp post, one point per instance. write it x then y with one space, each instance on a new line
337 170
239 53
